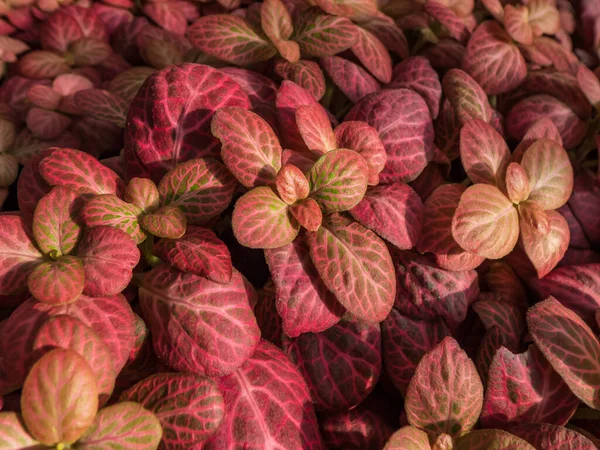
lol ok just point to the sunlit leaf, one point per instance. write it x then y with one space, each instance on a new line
56 282
13 433
315 129
166 222
467 97
110 210
408 438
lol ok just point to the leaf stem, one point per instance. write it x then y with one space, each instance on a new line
146 249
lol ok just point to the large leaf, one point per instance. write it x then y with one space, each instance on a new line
315 128
355 265
552 437
267 405
322 35
262 220
550 173
570 347
201 188
402 119
56 282
198 325
123 426
190 408
524 388
408 438
198 251
66 332
109 256
483 153
110 210
394 211
181 101
445 395
352 351
249 147
467 97
491 439
302 300
486 222
13 433
60 397
405 341
230 38
18 254
354 81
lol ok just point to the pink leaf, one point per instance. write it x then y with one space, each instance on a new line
516 23
405 341
102 105
354 81
484 154
190 408
167 16
223 333
355 265
308 214
262 220
182 101
63 379
445 395
467 97
486 439
69 24
89 51
315 128
524 388
453 24
589 84
389 34
544 17
517 183
408 438
57 282
109 256
302 300
291 184
321 35
504 316
371 52
198 251
493 60
486 222
46 124
110 210
393 211
307 74
231 39
41 64
201 188
542 129
167 222
570 347
402 119
43 97
142 193
13 433
552 437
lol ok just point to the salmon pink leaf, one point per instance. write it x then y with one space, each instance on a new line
307 213
486 222
355 265
408 438
524 388
231 39
552 437
81 172
371 52
320 35
57 282
142 193
190 408
289 422
262 220
223 333
201 188
590 85
126 426
276 20
198 251
110 210
570 346
405 341
315 129
445 395
102 105
109 256
249 146
60 397
493 59
182 101
544 17
364 139
354 81
550 173
402 120
13 433
467 97
54 226
517 183
307 74
167 222
542 129
393 211
302 301
496 439
291 184
352 349
516 23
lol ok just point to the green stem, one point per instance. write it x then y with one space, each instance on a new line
146 249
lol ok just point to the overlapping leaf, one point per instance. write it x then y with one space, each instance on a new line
102 105
408 438
167 222
307 74
291 184
13 433
315 128
321 35
57 282
110 210
354 81
552 437
497 439
467 97
371 52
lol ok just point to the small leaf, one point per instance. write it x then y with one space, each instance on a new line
198 251
13 434
338 180
190 408
534 217
46 125
408 438
102 105
202 189
308 214
322 35
231 39
143 193
488 439
445 395
516 23
250 148
355 265
453 25
110 210
123 426
262 220
542 129
315 129
517 183
291 184
59 398
570 347
371 52
354 81
486 222
167 222
553 437
276 23
467 97
57 282
89 51
42 64
484 154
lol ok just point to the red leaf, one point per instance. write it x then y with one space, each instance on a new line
223 333
516 23
315 128
110 210
506 317
389 34
181 100
355 265
302 300
542 129
167 16
13 433
466 96
167 222
354 81
46 124
57 282
43 97
321 35
445 395
486 439
308 214
570 347
291 184
517 183
589 85
552 437
371 52
307 74
69 24
127 83
453 24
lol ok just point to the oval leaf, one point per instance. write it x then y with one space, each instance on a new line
467 97
320 34
167 222
487 439
408 438
315 129
110 210
13 433
354 81
57 282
